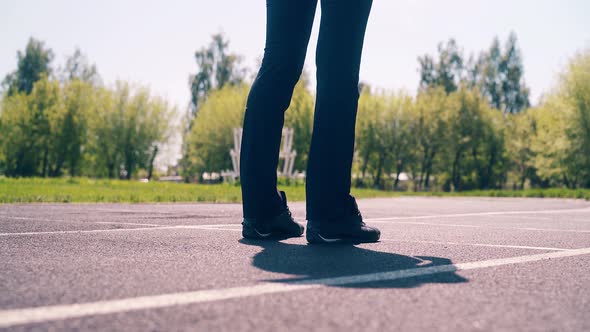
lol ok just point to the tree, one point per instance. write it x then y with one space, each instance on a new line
369 145
550 144
501 79
299 116
446 71
210 139
384 136
44 104
216 68
78 67
521 131
15 142
128 129
464 139
574 89
430 130
401 140
71 128
32 65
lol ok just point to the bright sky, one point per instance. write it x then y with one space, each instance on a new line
153 42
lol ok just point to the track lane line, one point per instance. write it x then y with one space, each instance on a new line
90 231
475 214
479 226
126 223
481 245
9 318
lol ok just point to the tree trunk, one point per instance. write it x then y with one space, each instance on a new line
364 169
490 170
400 166
151 167
455 176
377 180
429 169
423 168
45 160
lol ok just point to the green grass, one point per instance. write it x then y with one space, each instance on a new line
81 190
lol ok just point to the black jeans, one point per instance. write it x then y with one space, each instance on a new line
338 58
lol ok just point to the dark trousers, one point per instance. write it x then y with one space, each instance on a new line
338 58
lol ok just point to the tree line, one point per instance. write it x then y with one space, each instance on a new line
469 126
65 121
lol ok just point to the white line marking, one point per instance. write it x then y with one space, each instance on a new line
86 231
483 226
30 218
126 223
117 230
475 214
480 245
534 218
22 316
220 229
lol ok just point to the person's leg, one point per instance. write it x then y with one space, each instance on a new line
338 58
288 28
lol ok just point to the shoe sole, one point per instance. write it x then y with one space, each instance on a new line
317 238
249 232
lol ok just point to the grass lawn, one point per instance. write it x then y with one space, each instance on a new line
79 190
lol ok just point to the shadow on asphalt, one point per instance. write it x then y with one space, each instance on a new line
310 262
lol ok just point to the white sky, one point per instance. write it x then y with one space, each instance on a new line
153 42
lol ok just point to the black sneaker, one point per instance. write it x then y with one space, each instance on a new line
350 229
281 226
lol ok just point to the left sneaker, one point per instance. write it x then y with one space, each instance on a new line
281 226
347 229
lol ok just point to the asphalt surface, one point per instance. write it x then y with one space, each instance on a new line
443 264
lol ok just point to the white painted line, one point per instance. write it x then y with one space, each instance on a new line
480 245
533 217
115 230
74 221
86 231
482 226
9 318
220 229
475 214
126 223
30 218
210 226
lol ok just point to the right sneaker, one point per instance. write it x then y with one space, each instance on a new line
348 229
281 226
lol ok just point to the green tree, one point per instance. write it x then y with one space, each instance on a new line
550 144
384 136
521 131
464 140
369 146
211 137
45 104
399 133
430 131
501 79
71 128
32 65
574 89
446 71
216 68
299 116
78 67
16 146
128 129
